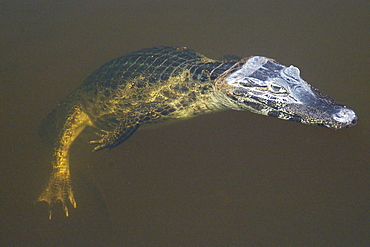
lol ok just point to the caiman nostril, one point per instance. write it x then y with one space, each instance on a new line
344 115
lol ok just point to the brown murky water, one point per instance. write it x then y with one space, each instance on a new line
228 179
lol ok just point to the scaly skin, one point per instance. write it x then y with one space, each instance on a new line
155 85
59 187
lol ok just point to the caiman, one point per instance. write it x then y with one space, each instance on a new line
155 85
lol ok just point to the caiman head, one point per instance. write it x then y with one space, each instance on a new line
264 86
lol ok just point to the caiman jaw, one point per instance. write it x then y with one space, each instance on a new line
324 115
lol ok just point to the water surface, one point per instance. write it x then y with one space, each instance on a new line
227 179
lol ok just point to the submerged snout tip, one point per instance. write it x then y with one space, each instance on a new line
345 116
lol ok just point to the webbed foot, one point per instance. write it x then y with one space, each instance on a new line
58 189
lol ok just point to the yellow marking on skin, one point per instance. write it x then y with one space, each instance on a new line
59 186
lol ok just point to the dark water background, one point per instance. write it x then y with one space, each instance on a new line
227 179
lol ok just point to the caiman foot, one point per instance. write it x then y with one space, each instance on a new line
110 139
58 189
103 143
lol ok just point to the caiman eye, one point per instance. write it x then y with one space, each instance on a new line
277 89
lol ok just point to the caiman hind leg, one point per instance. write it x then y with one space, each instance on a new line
59 186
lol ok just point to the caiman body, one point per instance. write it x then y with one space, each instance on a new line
173 83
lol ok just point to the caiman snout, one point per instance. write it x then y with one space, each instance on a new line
345 117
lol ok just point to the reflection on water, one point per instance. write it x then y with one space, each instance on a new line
233 178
